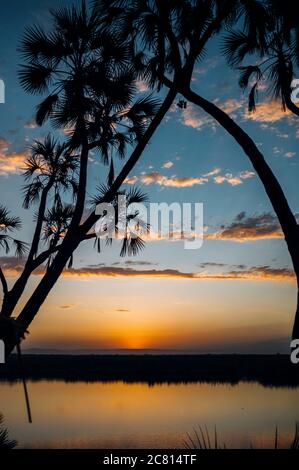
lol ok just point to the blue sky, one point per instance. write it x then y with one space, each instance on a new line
190 159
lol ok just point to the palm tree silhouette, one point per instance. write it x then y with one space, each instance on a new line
51 167
170 38
90 85
277 51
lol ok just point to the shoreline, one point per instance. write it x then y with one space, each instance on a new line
268 370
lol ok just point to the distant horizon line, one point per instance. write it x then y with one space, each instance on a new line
139 351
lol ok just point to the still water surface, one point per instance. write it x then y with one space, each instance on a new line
122 415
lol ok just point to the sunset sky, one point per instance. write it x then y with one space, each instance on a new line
236 293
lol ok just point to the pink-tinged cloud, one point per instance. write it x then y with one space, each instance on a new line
230 106
234 180
194 117
268 111
187 182
167 165
11 163
170 182
248 228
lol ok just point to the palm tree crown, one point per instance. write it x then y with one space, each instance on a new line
274 53
9 224
50 165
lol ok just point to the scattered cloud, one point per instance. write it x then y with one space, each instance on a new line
12 266
268 111
131 180
211 264
230 106
10 162
248 228
245 175
256 273
167 165
234 180
290 154
195 118
131 262
4 145
161 180
186 182
213 172
277 150
30 124
67 307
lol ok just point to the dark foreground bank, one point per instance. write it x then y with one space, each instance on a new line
270 370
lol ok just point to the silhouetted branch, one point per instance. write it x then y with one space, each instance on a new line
3 281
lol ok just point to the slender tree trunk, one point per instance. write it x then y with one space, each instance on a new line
136 154
295 333
12 297
273 189
43 289
74 237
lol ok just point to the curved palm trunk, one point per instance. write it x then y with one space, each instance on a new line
273 189
292 106
74 237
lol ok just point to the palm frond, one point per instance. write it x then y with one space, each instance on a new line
252 99
46 109
31 193
35 77
237 45
4 243
8 223
132 246
5 441
21 248
246 74
136 196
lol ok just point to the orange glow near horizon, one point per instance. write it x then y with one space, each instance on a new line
181 314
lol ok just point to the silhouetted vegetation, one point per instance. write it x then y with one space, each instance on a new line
268 370
5 442
202 439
